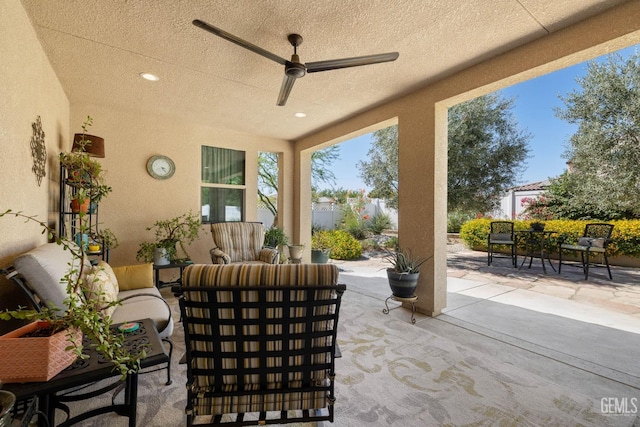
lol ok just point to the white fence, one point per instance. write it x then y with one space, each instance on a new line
328 215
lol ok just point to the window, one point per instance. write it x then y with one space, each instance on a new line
223 185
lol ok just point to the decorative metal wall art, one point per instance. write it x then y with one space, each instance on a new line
38 151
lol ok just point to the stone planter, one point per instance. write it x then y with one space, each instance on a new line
295 252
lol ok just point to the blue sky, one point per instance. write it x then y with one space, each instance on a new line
535 101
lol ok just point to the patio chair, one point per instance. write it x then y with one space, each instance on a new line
501 234
240 242
261 342
594 240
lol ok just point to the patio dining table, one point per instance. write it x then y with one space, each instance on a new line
537 243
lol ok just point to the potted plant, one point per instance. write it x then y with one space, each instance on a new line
84 174
537 226
103 239
320 247
63 329
295 252
276 238
169 234
404 272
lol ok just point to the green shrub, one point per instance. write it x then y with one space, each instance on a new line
625 239
369 245
344 246
392 243
379 222
355 227
455 220
321 240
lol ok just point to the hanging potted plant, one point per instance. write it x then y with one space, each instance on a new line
169 234
54 336
404 272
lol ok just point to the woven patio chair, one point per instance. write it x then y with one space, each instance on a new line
501 234
594 240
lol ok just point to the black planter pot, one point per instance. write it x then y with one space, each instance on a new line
320 256
403 285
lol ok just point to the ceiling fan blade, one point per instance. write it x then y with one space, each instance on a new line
334 64
233 39
285 90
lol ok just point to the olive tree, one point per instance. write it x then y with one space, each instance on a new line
603 181
487 152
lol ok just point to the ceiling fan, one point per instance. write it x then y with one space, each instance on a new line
295 69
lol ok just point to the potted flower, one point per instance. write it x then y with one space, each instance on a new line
320 247
169 234
404 272
60 331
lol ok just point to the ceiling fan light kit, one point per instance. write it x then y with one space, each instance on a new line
295 69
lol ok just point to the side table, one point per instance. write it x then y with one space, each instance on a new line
411 300
87 371
156 273
537 243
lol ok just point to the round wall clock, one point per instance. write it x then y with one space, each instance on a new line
160 167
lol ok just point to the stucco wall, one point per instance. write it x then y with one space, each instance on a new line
138 200
28 88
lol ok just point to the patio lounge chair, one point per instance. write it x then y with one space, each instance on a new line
240 242
594 240
261 342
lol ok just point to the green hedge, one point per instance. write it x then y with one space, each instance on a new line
625 239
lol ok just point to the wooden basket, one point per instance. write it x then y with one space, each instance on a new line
34 359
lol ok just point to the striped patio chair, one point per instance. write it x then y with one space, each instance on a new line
261 342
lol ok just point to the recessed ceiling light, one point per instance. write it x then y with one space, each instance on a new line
300 115
150 77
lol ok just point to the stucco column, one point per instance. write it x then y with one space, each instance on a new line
422 199
301 232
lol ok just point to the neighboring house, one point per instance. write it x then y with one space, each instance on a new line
511 203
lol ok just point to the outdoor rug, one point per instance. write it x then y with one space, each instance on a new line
393 373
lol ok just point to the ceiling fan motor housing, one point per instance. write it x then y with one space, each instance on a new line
295 68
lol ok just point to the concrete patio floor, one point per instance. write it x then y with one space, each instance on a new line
581 333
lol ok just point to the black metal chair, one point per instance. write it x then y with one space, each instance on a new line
261 343
501 234
594 240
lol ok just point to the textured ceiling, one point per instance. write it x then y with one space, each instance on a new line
98 49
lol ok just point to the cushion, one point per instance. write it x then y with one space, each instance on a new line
44 268
584 241
502 237
591 241
134 276
144 303
102 288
